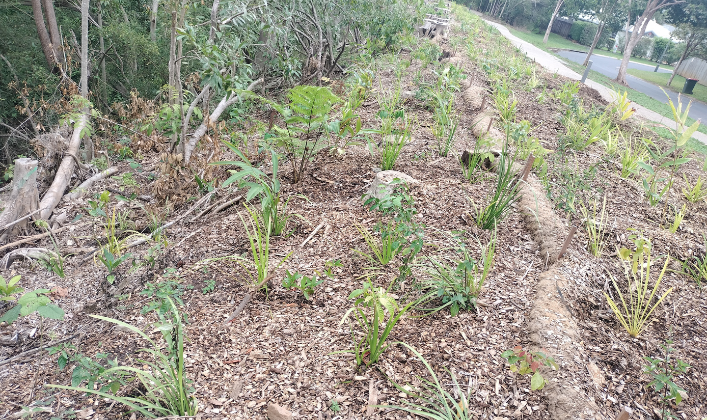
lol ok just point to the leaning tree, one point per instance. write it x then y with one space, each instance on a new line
639 29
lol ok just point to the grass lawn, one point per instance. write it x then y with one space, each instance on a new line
643 100
661 79
556 41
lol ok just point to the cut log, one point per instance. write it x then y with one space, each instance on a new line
23 200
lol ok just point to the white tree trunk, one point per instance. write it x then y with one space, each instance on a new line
153 20
23 200
552 19
638 30
227 101
63 174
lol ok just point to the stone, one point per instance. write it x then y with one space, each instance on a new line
384 184
275 412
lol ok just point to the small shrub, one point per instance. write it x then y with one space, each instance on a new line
663 370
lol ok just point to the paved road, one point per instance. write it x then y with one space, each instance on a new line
609 66
553 64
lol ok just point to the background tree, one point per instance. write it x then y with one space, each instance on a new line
639 29
691 19
558 6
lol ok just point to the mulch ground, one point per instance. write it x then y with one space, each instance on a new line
285 350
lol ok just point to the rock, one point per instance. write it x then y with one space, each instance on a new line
384 184
275 412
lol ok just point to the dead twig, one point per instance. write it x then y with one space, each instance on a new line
228 204
314 232
34 350
36 237
239 309
20 219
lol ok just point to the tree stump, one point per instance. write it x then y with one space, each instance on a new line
23 200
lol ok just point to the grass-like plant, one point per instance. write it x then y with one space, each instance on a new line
383 250
595 224
507 192
621 107
566 92
637 304
696 268
506 107
258 235
164 390
630 157
376 313
391 147
436 403
472 168
695 193
677 219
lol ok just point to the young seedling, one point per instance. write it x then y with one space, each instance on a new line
529 363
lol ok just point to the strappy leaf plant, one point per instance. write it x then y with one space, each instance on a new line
436 402
163 390
634 306
376 313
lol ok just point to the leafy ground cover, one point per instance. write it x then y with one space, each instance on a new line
329 303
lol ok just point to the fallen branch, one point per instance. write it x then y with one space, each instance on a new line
79 191
28 352
63 175
28 253
36 237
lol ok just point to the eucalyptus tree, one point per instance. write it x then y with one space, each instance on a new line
639 29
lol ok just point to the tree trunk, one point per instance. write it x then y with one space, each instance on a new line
638 30
225 102
153 20
63 174
552 20
54 35
594 44
44 40
101 43
24 198
88 144
214 20
171 66
628 25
